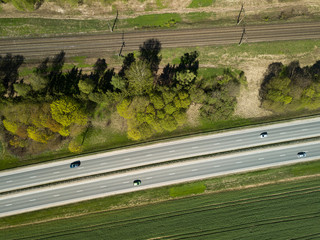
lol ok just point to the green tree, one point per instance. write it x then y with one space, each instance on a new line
122 108
37 82
156 100
119 83
185 78
180 117
140 78
169 123
22 89
86 86
168 95
170 108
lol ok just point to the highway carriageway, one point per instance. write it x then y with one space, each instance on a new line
112 161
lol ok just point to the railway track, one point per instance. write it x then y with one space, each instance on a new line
98 45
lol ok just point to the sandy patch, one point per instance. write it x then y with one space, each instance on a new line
193 114
118 123
132 8
249 102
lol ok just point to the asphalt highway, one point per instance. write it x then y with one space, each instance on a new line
155 177
97 45
157 153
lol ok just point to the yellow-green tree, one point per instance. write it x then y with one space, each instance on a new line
10 126
67 111
38 135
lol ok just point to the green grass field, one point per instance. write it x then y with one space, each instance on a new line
285 210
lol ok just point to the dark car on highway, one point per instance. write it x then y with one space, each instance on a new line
136 182
264 134
75 164
301 154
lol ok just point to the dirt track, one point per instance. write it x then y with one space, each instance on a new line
100 44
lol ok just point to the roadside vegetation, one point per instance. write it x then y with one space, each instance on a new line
253 205
51 109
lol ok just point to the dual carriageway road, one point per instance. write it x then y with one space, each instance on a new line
158 176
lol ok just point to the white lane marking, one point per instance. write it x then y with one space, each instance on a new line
80 191
127 159
282 155
217 166
57 195
239 162
31 200
7 205
148 177
171 173
125 182
8 181
149 155
216 144
33 176
80 167
195 147
260 158
238 140
305 129
103 163
194 170
103 186
282 133
172 150
56 172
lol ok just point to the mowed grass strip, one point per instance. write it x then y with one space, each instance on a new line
201 3
232 55
284 210
187 189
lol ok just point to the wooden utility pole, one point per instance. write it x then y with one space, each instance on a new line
239 20
114 23
243 35
244 14
123 45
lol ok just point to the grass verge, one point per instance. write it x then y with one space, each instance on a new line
21 27
201 3
286 199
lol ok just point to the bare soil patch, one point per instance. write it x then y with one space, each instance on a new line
193 114
132 8
248 105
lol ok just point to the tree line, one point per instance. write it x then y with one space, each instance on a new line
289 87
51 107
